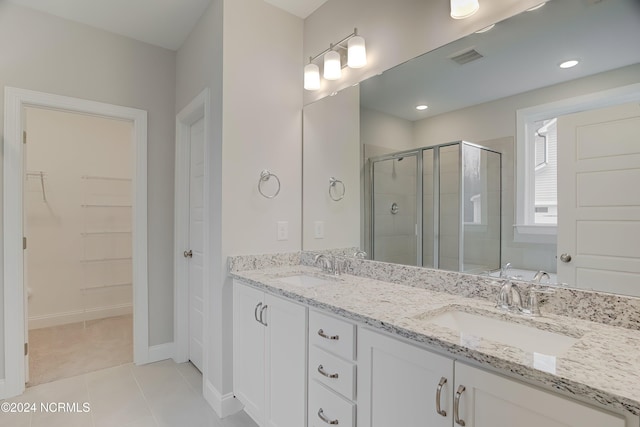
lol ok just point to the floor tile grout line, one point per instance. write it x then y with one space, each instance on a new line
187 381
153 415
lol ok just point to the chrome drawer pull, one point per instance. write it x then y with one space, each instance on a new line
440 411
456 406
264 322
324 418
325 373
255 312
328 337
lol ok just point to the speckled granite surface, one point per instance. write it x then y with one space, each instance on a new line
602 366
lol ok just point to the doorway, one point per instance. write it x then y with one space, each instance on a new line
16 249
78 261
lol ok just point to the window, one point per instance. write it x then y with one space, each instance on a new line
545 172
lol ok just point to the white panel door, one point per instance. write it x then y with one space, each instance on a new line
286 362
398 384
490 400
249 350
599 199
196 244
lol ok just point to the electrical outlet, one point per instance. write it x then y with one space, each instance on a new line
319 229
283 230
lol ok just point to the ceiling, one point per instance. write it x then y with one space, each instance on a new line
164 23
520 54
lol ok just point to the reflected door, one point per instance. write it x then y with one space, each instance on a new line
395 210
598 199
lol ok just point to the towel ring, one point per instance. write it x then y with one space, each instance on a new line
265 176
333 183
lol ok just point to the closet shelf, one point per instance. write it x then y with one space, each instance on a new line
105 178
103 287
105 206
98 233
105 260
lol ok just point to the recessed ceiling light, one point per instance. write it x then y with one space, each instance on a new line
422 107
485 29
536 7
569 64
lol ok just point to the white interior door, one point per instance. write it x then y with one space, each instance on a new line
599 199
25 280
196 243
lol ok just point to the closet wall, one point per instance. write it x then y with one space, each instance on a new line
78 217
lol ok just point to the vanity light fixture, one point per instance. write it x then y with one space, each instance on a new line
569 64
352 46
461 9
421 107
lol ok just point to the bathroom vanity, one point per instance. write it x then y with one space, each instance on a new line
315 349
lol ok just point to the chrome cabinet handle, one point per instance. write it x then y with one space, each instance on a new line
456 406
255 312
264 322
565 258
188 254
328 337
325 373
324 418
440 411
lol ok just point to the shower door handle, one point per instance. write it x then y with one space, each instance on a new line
188 254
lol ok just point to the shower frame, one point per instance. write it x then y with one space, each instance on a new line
419 153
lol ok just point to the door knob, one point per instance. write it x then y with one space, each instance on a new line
188 254
565 258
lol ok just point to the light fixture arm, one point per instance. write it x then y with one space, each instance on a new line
332 46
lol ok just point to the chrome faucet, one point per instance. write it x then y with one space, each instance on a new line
504 270
539 275
360 254
333 265
510 298
325 263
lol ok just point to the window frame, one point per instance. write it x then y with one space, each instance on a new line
525 229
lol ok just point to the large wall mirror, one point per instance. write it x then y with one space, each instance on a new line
491 151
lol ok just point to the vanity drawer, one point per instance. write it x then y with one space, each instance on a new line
330 405
339 374
331 334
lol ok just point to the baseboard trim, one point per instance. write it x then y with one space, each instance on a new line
47 320
223 405
161 352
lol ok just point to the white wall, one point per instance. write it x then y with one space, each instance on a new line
45 53
331 148
395 31
71 270
249 54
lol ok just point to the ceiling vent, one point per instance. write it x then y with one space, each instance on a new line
466 56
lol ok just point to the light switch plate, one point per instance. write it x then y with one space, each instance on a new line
283 230
318 229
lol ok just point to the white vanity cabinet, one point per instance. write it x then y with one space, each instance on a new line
490 400
270 357
398 385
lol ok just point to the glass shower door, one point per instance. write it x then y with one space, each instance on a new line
394 209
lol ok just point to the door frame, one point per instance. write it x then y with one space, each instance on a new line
198 108
13 187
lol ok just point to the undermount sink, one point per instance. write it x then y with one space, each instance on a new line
471 326
306 280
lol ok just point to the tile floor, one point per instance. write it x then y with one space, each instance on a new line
77 348
161 394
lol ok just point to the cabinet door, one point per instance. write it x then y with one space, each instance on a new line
248 350
490 400
286 351
398 382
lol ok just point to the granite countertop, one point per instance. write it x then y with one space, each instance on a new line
602 366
